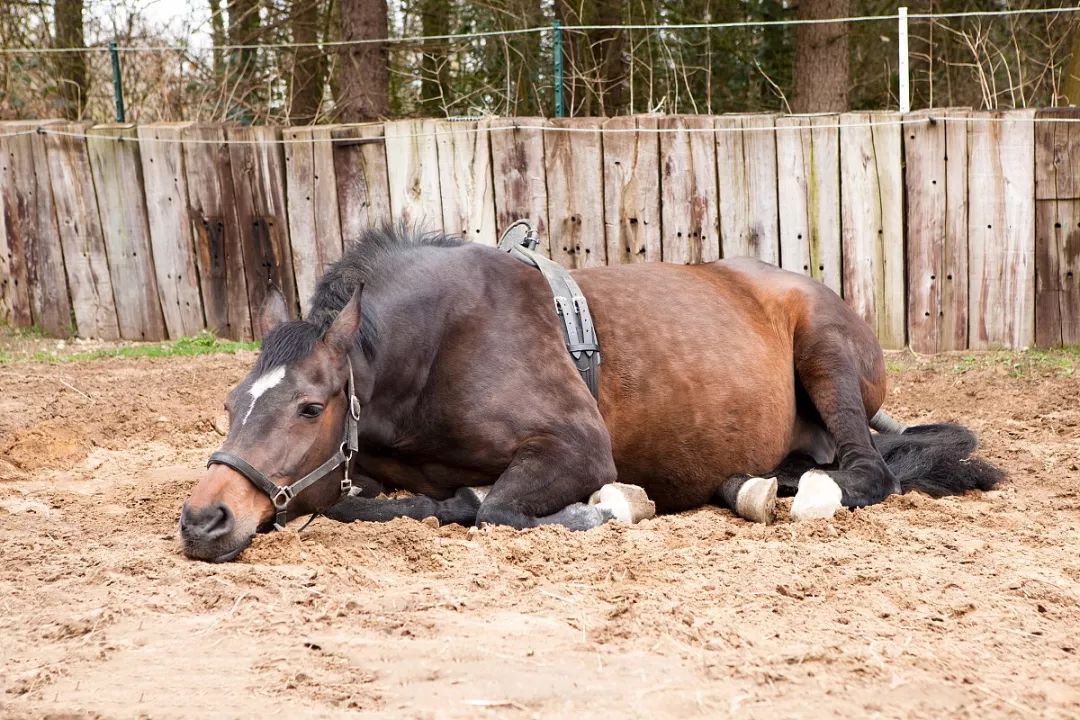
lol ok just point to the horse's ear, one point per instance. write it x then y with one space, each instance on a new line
344 331
273 312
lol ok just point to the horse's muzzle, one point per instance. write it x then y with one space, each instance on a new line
209 533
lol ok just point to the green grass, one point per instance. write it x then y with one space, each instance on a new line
1059 361
202 344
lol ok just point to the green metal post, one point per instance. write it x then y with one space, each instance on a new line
560 110
117 83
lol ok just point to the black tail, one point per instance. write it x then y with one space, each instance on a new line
936 459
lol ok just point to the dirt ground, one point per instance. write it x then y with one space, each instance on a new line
963 608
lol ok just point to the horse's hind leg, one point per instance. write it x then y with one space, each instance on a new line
840 365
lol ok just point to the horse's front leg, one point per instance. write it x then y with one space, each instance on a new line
549 479
460 509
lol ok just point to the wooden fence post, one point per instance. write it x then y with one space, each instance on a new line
79 225
517 156
688 193
872 209
468 188
937 230
746 178
1001 229
165 180
632 190
574 166
412 166
808 186
360 168
33 289
1057 229
258 171
311 196
118 185
218 250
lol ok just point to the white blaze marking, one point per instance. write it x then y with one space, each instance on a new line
818 496
260 386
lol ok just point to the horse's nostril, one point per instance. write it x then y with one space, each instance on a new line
220 521
209 523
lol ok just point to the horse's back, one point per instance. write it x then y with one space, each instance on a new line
697 380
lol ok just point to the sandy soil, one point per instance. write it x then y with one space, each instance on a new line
963 608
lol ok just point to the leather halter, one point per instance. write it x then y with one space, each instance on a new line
282 495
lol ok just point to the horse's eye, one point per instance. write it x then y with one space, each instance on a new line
311 410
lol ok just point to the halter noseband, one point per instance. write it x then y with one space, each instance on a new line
282 495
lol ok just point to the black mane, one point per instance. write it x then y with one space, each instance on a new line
364 257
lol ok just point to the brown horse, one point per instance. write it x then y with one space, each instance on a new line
450 373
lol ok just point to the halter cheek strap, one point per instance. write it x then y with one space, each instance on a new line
282 495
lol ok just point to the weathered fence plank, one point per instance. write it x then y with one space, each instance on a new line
311 196
808 186
690 225
1001 230
118 184
872 210
85 258
258 170
360 167
468 188
1057 229
632 190
170 227
936 182
412 164
517 156
573 154
746 177
49 299
33 289
218 250
16 230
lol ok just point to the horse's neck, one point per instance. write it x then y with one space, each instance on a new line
411 328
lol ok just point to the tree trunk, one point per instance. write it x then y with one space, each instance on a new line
595 68
308 75
217 35
364 85
435 70
1070 82
71 66
822 65
242 85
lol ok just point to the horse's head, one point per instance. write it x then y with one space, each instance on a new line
286 419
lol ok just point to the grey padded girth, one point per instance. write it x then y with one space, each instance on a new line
520 241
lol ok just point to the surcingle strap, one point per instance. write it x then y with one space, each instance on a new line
520 240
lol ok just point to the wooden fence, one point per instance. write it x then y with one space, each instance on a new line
950 230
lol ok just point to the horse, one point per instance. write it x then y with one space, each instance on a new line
437 366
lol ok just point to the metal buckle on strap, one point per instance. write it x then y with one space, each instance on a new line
283 497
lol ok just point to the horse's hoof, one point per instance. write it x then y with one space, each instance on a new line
756 500
626 503
818 497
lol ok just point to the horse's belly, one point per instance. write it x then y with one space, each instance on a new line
694 389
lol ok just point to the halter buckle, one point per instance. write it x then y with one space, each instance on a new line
354 407
282 498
